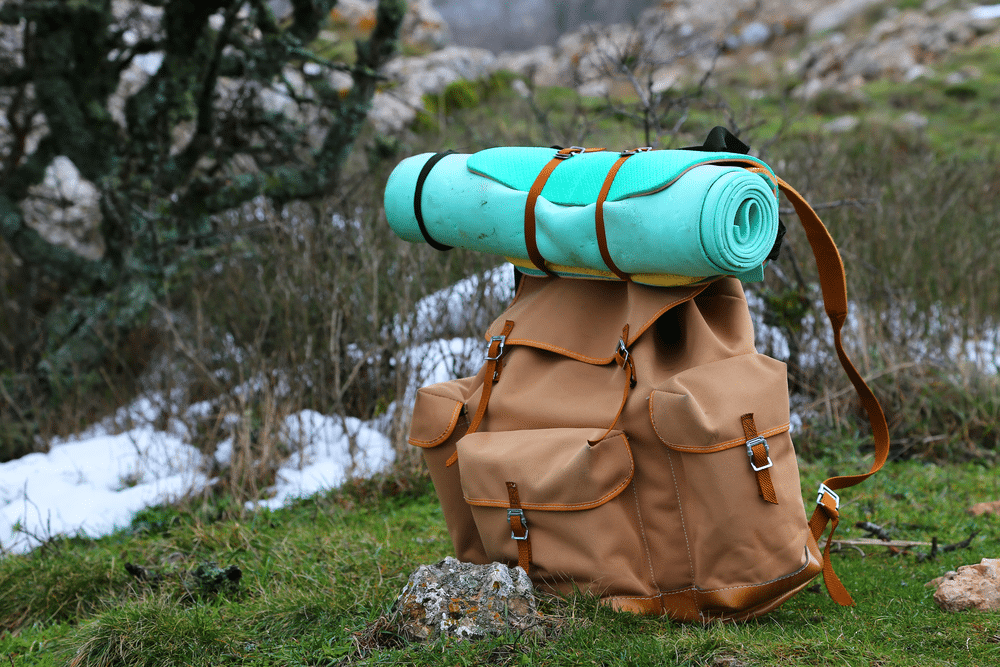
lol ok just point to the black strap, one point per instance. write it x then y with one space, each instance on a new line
418 193
721 140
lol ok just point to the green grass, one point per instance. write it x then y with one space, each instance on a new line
316 575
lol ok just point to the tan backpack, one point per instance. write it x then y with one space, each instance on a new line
628 441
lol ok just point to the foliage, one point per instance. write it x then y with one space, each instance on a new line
196 139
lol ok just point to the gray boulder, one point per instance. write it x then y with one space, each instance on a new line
465 600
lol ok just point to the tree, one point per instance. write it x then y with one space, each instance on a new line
195 140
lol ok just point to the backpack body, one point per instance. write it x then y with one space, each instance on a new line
633 445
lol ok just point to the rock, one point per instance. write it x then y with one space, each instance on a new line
416 76
985 12
424 27
65 209
980 509
912 121
971 587
842 124
836 14
465 600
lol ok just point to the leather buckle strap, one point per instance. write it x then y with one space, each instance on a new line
518 527
494 361
834 286
599 230
760 459
530 240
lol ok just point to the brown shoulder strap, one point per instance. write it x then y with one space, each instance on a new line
530 242
834 285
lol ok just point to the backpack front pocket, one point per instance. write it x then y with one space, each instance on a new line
737 538
564 495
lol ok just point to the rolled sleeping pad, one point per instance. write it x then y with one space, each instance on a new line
671 217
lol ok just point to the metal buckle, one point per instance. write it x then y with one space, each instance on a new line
570 152
499 339
633 151
767 450
623 352
826 490
524 522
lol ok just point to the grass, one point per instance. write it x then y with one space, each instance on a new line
317 574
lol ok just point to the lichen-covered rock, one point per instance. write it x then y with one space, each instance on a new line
465 600
970 587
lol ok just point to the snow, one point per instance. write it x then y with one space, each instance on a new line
94 482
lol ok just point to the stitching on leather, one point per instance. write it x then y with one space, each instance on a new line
645 543
764 583
729 444
680 513
437 440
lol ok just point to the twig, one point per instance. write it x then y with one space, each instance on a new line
935 549
873 530
871 541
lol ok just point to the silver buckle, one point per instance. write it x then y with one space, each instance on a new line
524 522
499 339
623 352
767 450
573 150
633 151
826 490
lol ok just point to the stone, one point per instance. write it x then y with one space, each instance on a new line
836 14
466 601
423 26
842 124
912 121
980 509
970 587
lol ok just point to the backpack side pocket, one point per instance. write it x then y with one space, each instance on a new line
440 419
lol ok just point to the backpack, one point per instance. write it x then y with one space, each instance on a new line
626 440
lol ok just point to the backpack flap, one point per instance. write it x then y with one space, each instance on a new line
560 503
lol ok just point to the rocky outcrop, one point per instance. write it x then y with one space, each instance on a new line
969 587
397 105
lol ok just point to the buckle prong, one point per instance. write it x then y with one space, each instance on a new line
622 352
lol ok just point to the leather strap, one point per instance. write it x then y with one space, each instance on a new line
418 195
494 364
530 241
834 285
602 239
623 357
519 528
761 462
